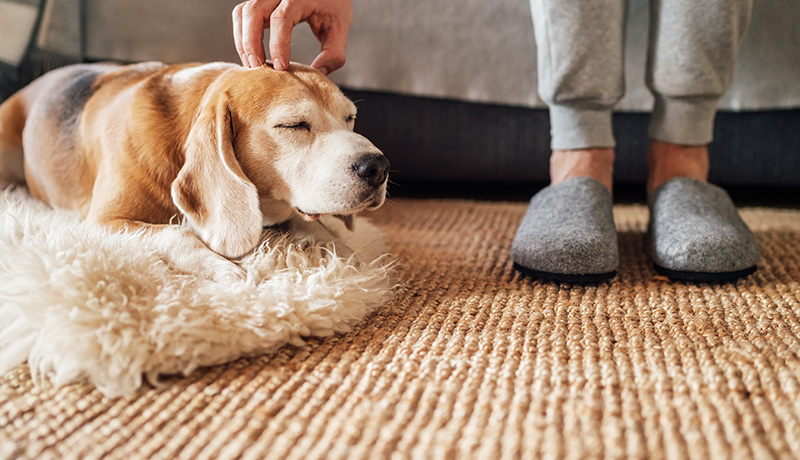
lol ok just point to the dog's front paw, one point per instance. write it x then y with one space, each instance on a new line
186 253
223 271
323 232
213 267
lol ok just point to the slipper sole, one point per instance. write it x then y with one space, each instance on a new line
681 275
590 278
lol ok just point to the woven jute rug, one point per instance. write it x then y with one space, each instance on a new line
472 360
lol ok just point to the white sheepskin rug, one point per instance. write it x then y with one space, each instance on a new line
80 303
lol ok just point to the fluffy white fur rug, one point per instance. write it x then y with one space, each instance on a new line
80 303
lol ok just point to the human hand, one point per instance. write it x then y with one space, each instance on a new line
329 20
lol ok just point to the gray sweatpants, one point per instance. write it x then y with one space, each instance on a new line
691 56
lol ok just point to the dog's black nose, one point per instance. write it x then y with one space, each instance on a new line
373 168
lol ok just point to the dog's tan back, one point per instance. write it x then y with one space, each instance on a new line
72 115
226 149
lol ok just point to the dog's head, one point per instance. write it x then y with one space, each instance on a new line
268 135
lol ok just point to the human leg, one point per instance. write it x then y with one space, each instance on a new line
597 163
580 70
666 161
568 232
696 233
691 59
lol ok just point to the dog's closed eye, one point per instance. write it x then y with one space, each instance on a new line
295 125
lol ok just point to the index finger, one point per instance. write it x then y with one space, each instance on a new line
253 23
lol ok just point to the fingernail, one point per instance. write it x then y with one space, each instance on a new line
324 70
253 61
276 64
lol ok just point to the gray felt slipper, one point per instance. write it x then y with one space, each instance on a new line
568 233
696 233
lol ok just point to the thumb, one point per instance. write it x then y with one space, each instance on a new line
333 53
328 61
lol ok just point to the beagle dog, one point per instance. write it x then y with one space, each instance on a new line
225 149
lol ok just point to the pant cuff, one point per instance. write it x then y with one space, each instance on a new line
683 121
578 128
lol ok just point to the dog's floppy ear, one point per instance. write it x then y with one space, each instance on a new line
220 203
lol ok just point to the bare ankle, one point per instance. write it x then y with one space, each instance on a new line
597 163
667 161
